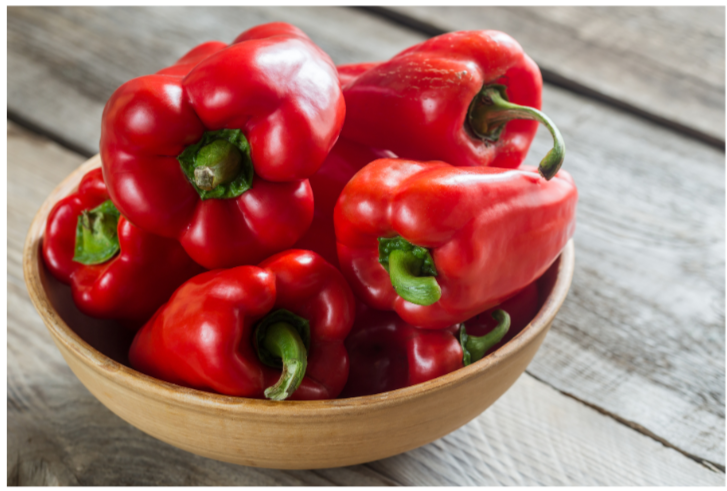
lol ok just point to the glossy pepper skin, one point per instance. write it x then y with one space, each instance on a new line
483 232
386 353
205 337
262 112
130 285
347 73
422 104
346 158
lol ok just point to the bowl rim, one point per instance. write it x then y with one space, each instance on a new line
209 402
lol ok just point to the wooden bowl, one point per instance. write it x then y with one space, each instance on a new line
282 435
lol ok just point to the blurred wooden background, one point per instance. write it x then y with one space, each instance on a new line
628 388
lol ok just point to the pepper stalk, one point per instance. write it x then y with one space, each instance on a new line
411 269
97 238
282 340
219 164
475 347
490 110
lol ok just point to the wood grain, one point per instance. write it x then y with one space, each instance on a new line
83 55
665 61
642 334
270 434
59 434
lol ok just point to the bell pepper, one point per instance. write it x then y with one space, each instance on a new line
115 270
215 151
387 354
522 309
346 158
470 98
275 330
347 73
439 244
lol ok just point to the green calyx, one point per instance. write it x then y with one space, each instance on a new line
97 240
282 340
411 269
219 165
474 348
490 110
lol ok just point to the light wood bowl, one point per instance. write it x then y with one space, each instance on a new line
282 435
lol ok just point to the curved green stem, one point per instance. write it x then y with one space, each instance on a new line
96 235
217 163
475 347
489 112
404 270
283 341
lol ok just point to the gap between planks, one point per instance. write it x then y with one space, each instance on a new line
28 125
370 467
554 78
712 466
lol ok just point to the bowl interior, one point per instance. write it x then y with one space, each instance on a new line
104 344
110 338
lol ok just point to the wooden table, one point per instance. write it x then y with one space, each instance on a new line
628 388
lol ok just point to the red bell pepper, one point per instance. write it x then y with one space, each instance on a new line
522 309
216 150
462 97
231 331
387 354
346 158
439 244
116 270
347 73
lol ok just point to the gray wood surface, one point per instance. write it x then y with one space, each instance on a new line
59 434
665 61
640 338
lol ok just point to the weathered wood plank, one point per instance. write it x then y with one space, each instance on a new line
642 334
83 55
666 61
532 436
59 434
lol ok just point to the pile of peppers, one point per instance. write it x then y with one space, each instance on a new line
273 226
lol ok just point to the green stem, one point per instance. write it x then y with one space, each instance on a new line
404 271
489 112
475 347
96 235
217 163
283 341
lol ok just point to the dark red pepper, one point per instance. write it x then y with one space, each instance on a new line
387 354
439 244
470 98
116 270
230 331
215 150
346 158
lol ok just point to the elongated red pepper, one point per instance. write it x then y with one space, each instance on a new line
386 353
439 244
116 270
470 98
346 158
231 331
216 150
